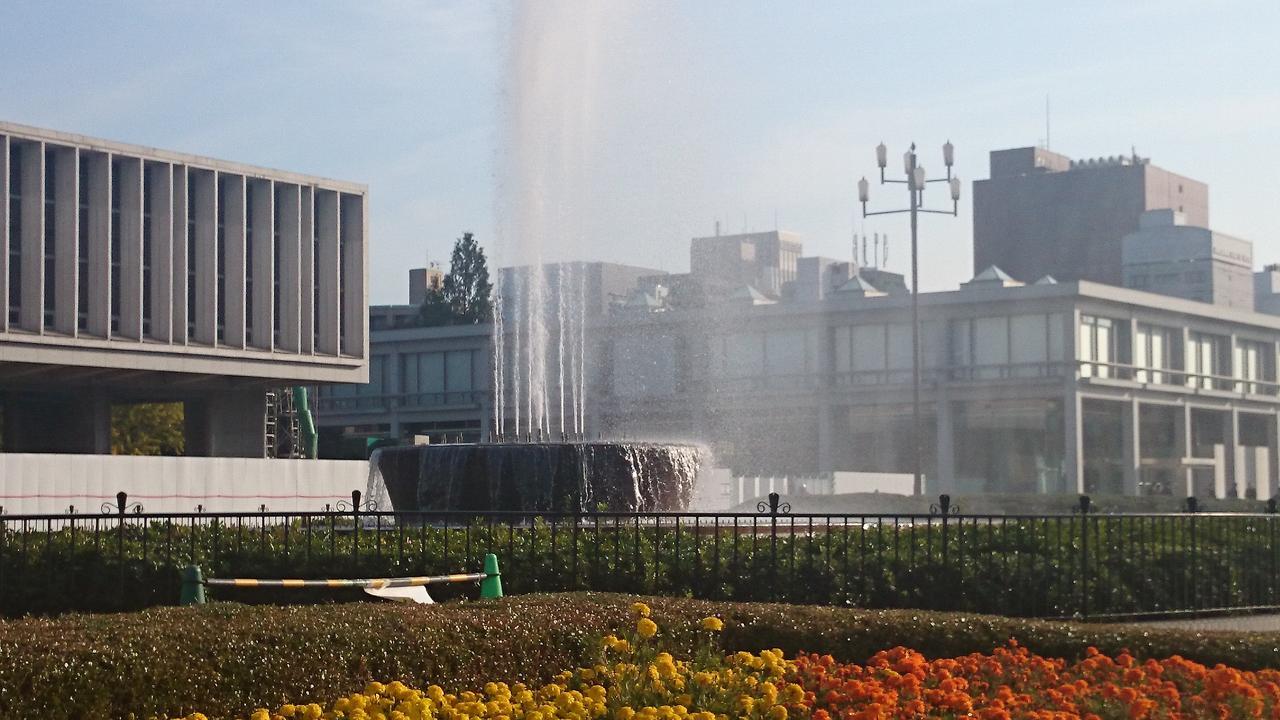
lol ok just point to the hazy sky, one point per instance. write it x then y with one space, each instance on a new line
736 111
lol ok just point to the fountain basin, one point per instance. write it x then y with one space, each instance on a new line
547 477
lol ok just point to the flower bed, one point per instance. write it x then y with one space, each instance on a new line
633 678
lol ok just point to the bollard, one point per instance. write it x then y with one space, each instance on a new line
491 586
192 586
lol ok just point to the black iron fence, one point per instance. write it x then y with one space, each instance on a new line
1078 564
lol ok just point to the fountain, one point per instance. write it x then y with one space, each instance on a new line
540 476
551 216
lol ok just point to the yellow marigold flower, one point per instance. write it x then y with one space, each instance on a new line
260 714
624 713
712 624
745 703
640 610
646 628
793 693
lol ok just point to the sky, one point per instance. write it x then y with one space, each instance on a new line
655 120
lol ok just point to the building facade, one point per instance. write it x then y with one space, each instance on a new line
1043 388
1041 213
130 274
1168 257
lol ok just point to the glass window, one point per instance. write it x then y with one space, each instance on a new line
991 341
1103 347
431 372
15 232
869 350
457 371
1029 339
899 349
785 352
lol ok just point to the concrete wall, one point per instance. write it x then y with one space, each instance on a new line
34 483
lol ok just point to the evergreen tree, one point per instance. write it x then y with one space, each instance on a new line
435 309
467 288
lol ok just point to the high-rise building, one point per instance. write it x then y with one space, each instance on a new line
1041 213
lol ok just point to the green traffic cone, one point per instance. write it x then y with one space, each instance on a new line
491 586
192 586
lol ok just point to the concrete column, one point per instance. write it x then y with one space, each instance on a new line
306 270
262 264
326 260
99 177
1185 447
826 438
946 442
65 234
130 248
230 423
1131 441
233 235
355 299
31 169
4 234
162 233
1233 477
179 259
288 217
1073 441
37 423
1273 458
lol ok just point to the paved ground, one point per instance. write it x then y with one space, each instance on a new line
1253 623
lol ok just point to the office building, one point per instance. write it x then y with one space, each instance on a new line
1168 257
1041 213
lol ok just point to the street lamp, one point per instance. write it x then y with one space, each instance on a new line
916 181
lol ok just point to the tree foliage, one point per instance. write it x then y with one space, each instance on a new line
147 429
465 295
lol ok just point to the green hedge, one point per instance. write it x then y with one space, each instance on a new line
1034 567
227 659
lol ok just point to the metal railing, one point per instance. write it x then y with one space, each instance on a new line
1083 563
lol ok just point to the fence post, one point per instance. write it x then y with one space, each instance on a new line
491 586
192 586
1193 507
1083 509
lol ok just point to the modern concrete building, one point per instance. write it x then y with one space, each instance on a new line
1168 257
764 261
129 274
1041 213
1028 388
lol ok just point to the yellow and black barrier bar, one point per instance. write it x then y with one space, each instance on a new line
194 582
377 583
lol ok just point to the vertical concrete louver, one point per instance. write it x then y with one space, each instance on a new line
106 243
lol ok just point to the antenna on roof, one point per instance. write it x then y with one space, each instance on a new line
1046 121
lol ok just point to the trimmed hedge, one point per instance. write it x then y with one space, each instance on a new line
226 659
1031 567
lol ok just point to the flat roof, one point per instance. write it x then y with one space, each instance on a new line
112 146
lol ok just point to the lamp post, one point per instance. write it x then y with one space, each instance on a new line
916 181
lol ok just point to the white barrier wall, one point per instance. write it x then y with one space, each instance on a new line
35 483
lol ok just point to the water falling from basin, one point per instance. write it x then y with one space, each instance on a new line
564 477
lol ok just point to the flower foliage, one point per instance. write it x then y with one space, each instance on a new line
633 678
